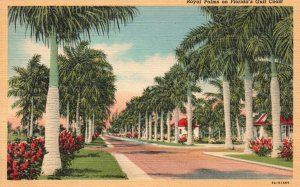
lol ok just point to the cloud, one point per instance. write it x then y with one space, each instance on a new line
112 51
31 48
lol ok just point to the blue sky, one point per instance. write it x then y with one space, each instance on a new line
141 50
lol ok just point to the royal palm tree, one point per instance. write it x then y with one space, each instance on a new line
264 25
60 25
30 86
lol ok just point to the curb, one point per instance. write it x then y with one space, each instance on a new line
158 145
221 155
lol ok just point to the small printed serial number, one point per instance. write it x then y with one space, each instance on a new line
280 182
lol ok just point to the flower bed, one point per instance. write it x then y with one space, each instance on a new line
261 147
286 150
95 136
24 159
182 139
68 145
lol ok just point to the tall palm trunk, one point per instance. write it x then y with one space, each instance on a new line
155 125
90 130
68 118
146 126
93 124
176 124
209 131
77 116
168 127
190 139
139 126
126 129
132 131
150 128
52 160
275 99
238 128
248 108
162 126
31 119
86 131
226 100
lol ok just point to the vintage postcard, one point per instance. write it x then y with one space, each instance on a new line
129 93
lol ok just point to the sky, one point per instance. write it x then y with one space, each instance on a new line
140 51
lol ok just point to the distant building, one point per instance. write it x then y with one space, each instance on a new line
286 126
182 128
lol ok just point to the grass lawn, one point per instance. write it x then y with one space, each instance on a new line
266 160
99 142
159 143
91 164
165 143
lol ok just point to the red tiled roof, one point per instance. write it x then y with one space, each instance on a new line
262 120
183 123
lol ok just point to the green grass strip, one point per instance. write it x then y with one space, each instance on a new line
266 160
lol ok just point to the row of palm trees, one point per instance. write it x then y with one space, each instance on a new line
246 48
67 26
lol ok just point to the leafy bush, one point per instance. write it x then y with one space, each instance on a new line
261 147
69 144
286 150
182 139
215 141
128 134
24 159
135 134
95 136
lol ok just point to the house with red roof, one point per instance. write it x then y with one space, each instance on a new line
182 128
286 126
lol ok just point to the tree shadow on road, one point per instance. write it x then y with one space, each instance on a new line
151 152
215 174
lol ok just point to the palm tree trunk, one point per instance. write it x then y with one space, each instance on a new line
162 126
52 160
275 99
219 134
248 108
132 131
209 131
155 126
226 98
150 128
139 126
176 124
68 118
77 116
169 127
238 128
31 119
126 129
190 139
90 131
146 126
86 132
93 124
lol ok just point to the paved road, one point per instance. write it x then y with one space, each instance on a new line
160 162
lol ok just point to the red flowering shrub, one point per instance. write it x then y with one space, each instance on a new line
95 136
286 150
68 145
182 139
261 147
24 159
135 134
128 134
